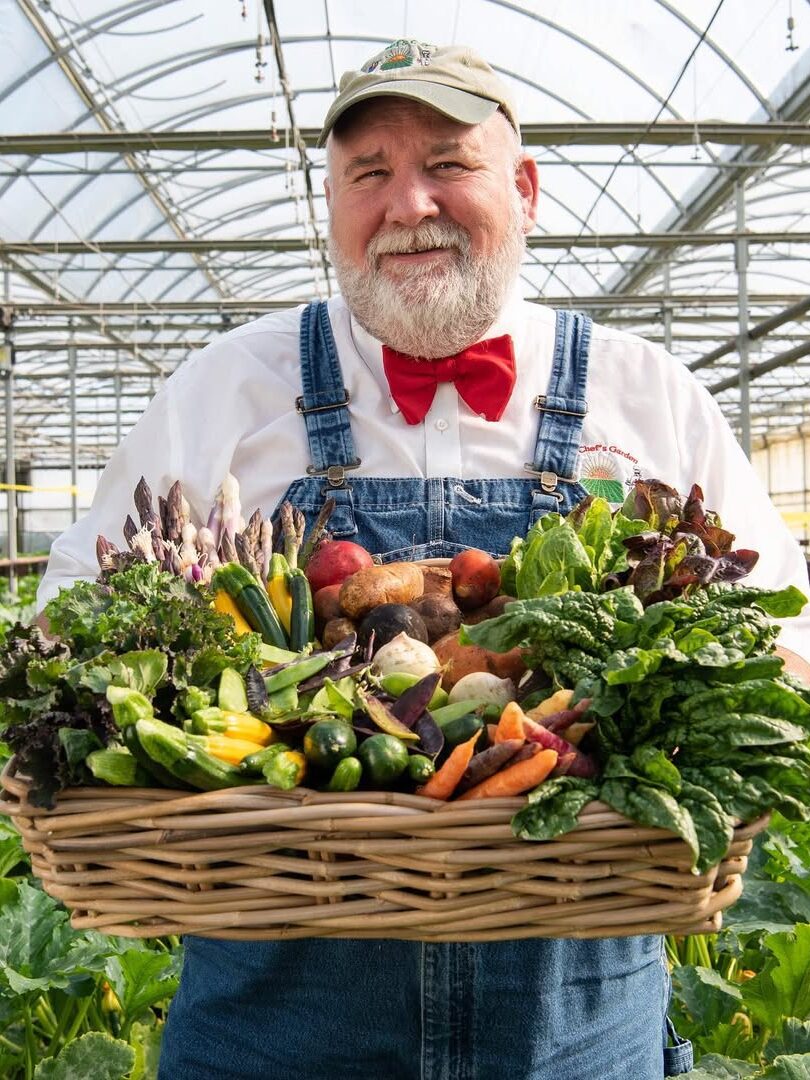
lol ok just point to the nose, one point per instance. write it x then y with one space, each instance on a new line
410 200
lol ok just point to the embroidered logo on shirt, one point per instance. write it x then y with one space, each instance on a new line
400 54
607 471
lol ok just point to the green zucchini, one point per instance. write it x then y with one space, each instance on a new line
158 773
302 618
186 760
252 602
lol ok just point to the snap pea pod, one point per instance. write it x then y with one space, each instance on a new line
293 674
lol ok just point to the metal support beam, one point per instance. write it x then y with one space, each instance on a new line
741 261
217 307
667 309
286 245
11 464
790 314
664 133
782 360
74 452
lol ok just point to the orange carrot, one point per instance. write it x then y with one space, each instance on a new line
491 732
510 725
444 781
515 779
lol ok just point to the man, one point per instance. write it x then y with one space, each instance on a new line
430 198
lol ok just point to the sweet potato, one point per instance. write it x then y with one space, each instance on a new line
394 583
440 615
459 660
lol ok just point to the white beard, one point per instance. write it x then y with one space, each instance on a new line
431 312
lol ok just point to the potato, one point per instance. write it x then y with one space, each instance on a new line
326 604
458 660
336 630
489 611
394 583
438 580
440 615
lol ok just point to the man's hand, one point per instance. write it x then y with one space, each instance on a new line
795 664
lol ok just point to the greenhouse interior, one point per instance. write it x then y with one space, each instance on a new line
162 183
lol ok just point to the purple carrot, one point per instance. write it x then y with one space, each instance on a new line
488 762
575 763
582 765
559 721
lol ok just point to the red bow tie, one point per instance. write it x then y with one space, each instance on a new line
484 375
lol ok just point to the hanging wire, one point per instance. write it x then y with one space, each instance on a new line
649 127
791 45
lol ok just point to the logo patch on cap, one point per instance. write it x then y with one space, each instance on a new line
403 53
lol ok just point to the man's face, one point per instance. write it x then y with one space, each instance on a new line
430 214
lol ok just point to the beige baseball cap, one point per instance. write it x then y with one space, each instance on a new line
452 79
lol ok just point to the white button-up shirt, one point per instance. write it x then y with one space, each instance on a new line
231 408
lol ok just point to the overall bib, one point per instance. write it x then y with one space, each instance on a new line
323 1009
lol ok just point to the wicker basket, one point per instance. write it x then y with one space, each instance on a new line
260 863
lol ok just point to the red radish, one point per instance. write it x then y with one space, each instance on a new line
476 578
333 561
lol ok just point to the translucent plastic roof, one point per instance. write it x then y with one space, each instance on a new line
185 192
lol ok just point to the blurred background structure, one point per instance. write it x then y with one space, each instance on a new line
159 183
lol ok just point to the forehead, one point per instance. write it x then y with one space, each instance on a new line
394 120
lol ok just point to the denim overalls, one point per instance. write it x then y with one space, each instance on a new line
322 1009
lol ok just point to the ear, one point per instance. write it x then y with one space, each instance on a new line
327 188
527 181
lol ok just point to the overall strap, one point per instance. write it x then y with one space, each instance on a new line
324 402
563 407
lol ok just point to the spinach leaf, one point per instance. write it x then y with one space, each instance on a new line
651 806
553 808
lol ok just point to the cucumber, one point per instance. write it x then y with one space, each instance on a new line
420 768
231 694
254 763
454 711
462 728
347 775
185 760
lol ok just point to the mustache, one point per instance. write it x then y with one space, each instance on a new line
422 237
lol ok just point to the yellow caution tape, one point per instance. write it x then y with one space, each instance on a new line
70 488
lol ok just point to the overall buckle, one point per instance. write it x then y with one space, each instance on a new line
335 474
548 479
304 411
540 404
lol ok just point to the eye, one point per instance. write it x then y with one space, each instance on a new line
444 166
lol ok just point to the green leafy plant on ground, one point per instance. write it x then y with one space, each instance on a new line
74 1005
743 996
19 606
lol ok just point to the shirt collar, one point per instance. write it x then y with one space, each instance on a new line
369 349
